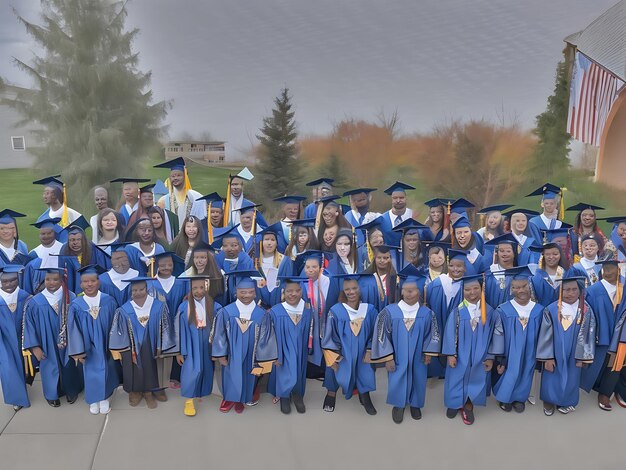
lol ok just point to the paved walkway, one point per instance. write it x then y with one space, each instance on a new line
69 438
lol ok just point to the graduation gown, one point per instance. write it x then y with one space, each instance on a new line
90 336
121 296
196 376
497 291
393 238
340 339
577 343
243 262
21 255
12 375
578 269
174 298
468 380
269 299
241 341
519 353
536 225
292 339
42 326
318 319
135 256
406 342
544 290
31 277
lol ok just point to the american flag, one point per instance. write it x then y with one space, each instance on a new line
593 91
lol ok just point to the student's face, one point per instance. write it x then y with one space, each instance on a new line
119 262
549 206
505 253
621 231
200 260
471 292
157 220
519 222
312 269
520 290
247 295
165 267
293 293
552 256
191 230
139 291
46 236
246 221
269 243
463 236
9 282
351 290
493 220
588 218
330 214
109 222
436 258
75 242
146 199
101 198
90 284
343 247
360 200
217 215
562 242
198 288
398 200
290 211
324 191
236 187
231 247
303 238
412 241
177 178
145 231
456 268
383 261
610 273
52 282
410 293
329 235
130 191
49 196
436 214
7 232
377 238
571 292
590 249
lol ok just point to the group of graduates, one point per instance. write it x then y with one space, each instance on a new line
184 290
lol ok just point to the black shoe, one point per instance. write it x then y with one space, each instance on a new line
416 413
451 413
298 403
505 406
329 404
54 403
519 406
285 406
71 400
397 414
468 416
366 401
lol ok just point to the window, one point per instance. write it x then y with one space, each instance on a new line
18 143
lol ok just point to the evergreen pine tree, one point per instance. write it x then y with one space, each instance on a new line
91 103
278 168
334 168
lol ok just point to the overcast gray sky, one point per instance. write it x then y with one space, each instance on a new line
222 62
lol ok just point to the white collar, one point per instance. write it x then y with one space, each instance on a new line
118 279
200 310
53 298
588 264
297 310
9 298
356 314
569 309
93 301
167 283
245 311
523 310
473 309
144 310
409 311
610 288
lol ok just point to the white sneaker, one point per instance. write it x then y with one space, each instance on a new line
94 408
104 407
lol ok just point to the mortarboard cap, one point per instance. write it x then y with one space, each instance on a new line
138 279
274 229
293 279
470 279
79 224
291 199
321 181
438 201
352 192
519 273
246 208
175 164
60 271
429 244
398 186
411 275
129 180
227 232
149 188
48 223
615 220
494 208
461 222
245 174
12 269
563 231
304 222
507 238
179 263
160 188
303 257
527 212
460 205
457 254
410 226
613 261
545 246
214 199
581 206
8 216
92 269
376 223
202 246
548 191
243 278
51 181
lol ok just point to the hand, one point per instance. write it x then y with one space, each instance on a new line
390 366
451 361
427 359
38 353
368 356
501 369
180 359
80 358
278 364
261 283
488 365
550 365
223 361
335 367
579 364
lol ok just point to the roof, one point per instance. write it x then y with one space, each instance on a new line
198 142
604 40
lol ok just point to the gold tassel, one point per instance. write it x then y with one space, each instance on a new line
152 267
209 224
618 293
450 229
28 363
65 218
483 307
562 204
620 358
227 203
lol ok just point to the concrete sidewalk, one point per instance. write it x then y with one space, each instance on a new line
46 438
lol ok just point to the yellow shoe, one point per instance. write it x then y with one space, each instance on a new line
190 409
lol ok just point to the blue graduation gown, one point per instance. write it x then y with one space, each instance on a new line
406 347
174 298
31 277
577 269
107 286
269 299
577 343
21 255
310 211
239 348
244 262
468 380
338 337
135 255
90 336
293 352
536 225
42 324
12 374
519 353
319 320
497 292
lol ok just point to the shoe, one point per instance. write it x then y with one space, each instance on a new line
505 406
150 401
565 409
519 406
94 408
468 416
104 407
416 413
548 411
255 397
451 413
531 399
620 401
71 400
397 414
160 395
190 409
226 406
239 408
285 406
298 403
329 403
174 384
17 408
366 401
54 403
134 398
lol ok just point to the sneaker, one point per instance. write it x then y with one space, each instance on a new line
505 406
104 407
71 400
619 400
94 408
329 403
565 409
17 408
397 414
531 399
468 416
54 403
190 409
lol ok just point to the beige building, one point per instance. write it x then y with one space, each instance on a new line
199 151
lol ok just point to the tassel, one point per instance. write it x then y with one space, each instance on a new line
227 203
562 204
65 217
151 267
318 216
209 224
424 302
620 358
560 302
483 306
370 252
618 293
449 224
28 363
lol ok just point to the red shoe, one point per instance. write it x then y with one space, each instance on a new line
226 406
619 401
239 408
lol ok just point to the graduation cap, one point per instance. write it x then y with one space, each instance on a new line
293 279
214 199
137 279
303 257
545 246
147 188
172 165
569 276
429 244
60 271
461 222
494 208
243 278
563 231
527 212
227 232
373 224
345 232
273 229
247 208
115 247
471 278
129 180
411 275
48 223
326 200
304 223
438 201
245 174
385 248
198 277
51 181
519 273
350 277
79 225
615 219
507 239
460 207
203 246
92 269
457 254
8 216
11 269
352 192
611 261
581 206
398 186
409 225
292 199
322 182
179 263
548 191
